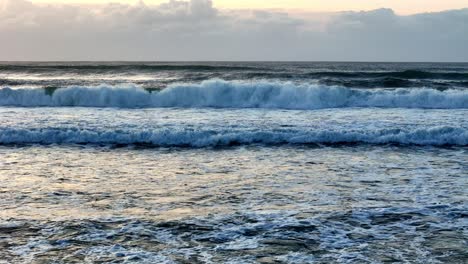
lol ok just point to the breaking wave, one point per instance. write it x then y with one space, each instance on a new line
232 94
435 136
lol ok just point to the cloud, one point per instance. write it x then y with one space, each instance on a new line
195 30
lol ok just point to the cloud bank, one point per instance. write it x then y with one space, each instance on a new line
195 30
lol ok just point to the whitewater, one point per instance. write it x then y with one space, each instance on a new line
233 162
225 94
213 127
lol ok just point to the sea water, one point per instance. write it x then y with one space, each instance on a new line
233 162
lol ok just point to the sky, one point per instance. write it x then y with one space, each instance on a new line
332 30
400 6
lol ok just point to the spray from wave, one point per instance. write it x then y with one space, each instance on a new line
233 94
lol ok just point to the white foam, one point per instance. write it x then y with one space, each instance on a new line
204 138
224 94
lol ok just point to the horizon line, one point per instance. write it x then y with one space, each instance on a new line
231 61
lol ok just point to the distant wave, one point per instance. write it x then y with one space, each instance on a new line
387 83
372 75
435 136
250 71
224 94
407 74
123 67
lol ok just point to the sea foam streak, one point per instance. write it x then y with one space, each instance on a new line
435 136
232 94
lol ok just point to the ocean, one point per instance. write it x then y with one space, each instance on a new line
233 162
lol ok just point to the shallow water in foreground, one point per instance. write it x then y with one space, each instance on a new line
246 204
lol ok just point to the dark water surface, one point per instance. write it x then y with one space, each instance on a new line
157 75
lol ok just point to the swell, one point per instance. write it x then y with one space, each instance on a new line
250 71
123 67
232 94
407 74
393 83
435 136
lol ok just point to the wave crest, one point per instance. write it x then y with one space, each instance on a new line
232 94
435 136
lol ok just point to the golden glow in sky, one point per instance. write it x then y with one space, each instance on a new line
400 6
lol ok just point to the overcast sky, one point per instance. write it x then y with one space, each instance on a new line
400 6
200 30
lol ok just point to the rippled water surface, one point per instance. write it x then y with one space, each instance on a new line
240 204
